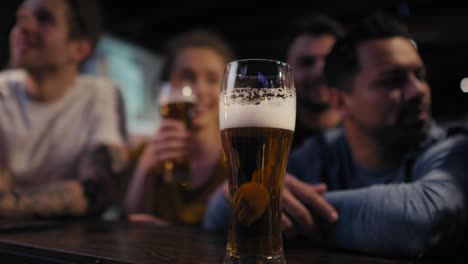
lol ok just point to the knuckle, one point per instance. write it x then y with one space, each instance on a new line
303 217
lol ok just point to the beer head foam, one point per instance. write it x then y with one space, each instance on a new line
266 107
170 95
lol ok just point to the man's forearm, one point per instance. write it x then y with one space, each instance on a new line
399 219
59 199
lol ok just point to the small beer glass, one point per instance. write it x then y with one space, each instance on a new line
177 102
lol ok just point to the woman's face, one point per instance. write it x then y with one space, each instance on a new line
201 68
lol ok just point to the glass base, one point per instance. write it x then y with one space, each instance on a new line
228 259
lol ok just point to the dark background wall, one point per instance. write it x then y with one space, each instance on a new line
255 28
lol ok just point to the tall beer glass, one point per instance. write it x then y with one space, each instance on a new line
177 102
257 117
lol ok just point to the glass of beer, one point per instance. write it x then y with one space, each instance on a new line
177 102
257 118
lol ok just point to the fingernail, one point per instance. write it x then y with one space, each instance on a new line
333 217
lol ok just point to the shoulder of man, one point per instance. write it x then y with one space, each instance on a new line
452 147
456 128
456 138
312 154
323 141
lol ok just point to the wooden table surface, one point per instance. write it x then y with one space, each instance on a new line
105 242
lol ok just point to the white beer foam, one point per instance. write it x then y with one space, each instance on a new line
276 108
171 95
177 99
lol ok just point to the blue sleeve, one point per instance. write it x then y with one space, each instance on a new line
217 213
408 219
305 162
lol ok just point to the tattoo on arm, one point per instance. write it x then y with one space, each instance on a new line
92 192
60 199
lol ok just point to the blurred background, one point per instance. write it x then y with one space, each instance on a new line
135 31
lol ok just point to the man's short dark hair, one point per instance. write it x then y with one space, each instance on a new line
342 62
85 20
194 38
314 25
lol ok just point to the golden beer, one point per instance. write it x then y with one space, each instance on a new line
258 158
257 113
178 169
256 139
181 111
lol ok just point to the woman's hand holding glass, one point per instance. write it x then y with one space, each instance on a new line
170 142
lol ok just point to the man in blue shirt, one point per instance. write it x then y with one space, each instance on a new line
389 181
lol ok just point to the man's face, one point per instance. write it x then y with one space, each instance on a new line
390 98
39 38
307 57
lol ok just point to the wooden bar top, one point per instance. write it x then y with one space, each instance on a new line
119 243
